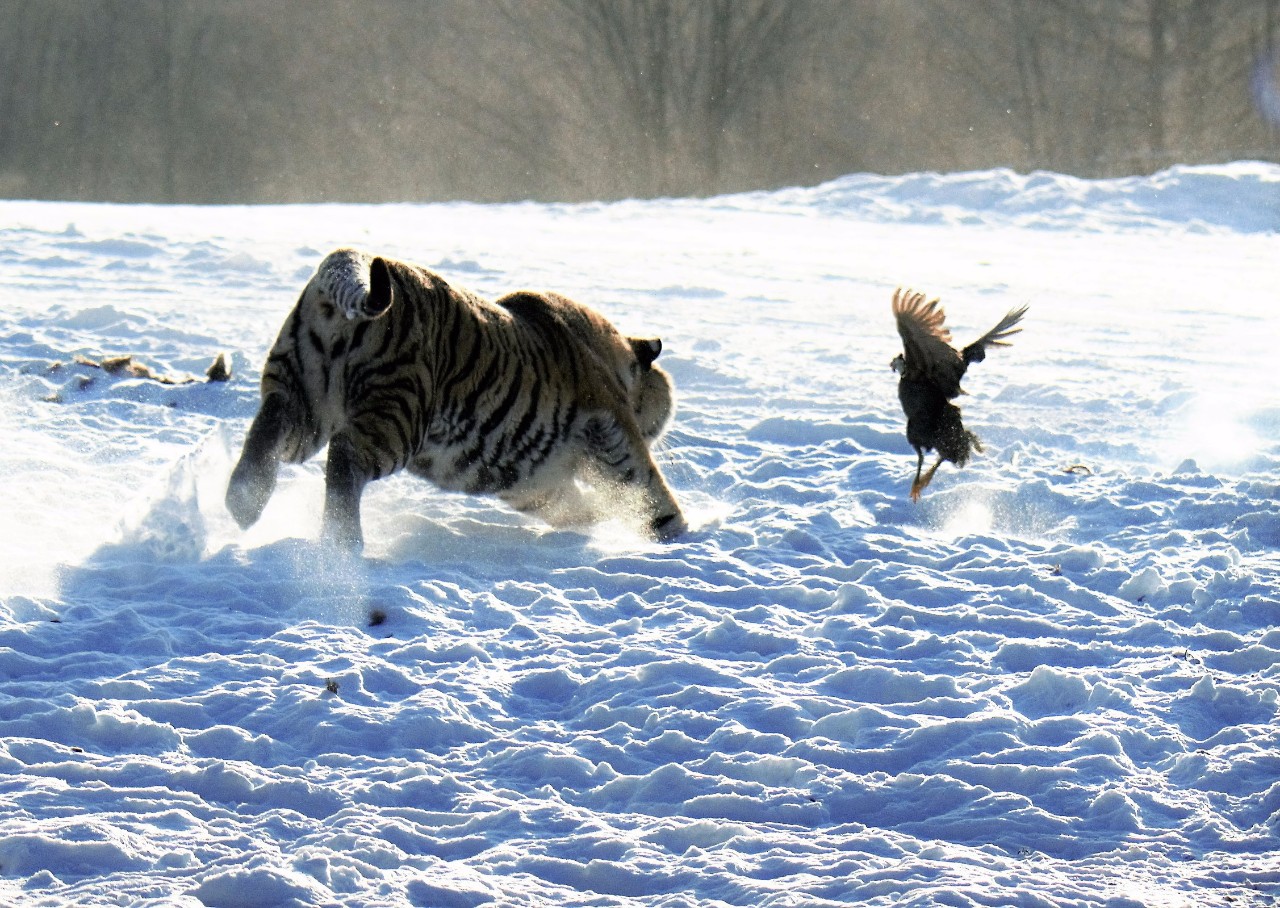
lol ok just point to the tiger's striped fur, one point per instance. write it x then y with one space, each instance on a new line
394 368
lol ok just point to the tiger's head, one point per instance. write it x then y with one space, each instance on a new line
647 388
652 392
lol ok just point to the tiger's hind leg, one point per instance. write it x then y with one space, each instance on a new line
359 454
344 482
254 477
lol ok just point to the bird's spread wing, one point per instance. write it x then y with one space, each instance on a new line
996 337
926 342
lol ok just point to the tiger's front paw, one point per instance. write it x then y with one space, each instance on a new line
667 527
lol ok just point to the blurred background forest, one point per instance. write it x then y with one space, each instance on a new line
415 100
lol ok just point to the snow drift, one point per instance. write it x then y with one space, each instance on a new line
1052 682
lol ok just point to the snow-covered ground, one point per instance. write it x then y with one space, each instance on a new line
1052 682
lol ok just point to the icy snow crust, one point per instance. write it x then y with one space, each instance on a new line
1051 683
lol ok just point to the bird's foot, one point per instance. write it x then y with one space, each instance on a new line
921 481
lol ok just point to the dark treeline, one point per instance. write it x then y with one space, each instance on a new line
376 100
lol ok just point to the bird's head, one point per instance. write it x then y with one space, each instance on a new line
898 363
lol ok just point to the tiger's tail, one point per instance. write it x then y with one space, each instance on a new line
359 285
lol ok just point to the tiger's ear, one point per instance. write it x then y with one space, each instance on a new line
646 349
381 295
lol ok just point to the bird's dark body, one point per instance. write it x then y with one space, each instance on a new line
934 423
931 370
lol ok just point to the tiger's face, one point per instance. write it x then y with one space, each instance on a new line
652 392
648 388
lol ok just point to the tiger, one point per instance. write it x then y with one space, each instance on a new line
394 368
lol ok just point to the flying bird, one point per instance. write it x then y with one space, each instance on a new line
930 370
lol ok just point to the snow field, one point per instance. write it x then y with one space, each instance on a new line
1052 682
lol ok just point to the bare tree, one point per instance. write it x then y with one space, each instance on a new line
1104 86
345 100
1053 70
657 89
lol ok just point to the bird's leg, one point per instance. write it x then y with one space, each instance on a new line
915 486
922 481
